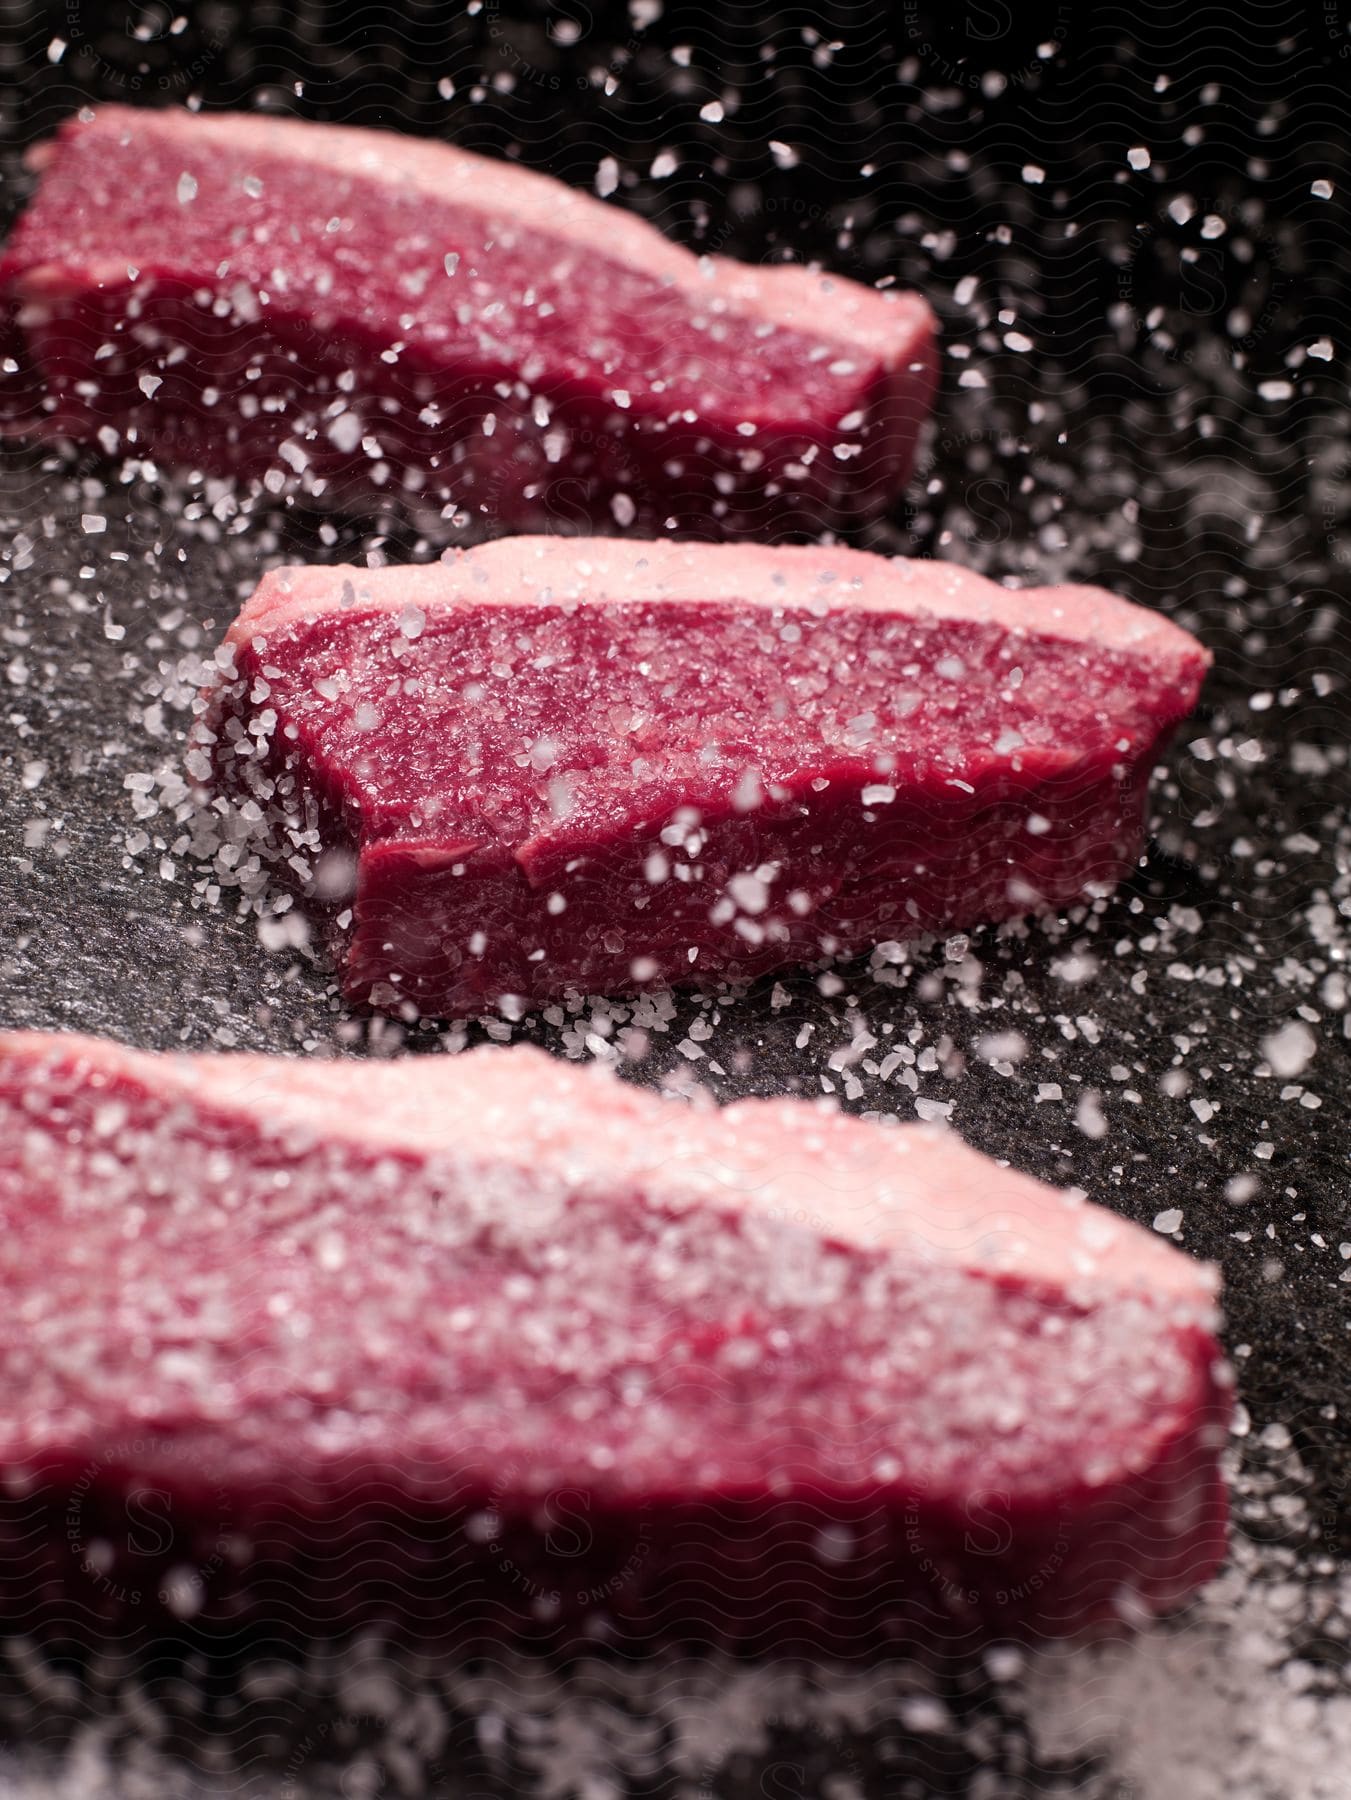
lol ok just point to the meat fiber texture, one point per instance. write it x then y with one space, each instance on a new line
367 316
490 1344
550 765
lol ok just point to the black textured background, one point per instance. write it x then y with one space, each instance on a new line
1156 423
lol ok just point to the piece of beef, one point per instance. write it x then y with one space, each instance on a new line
557 764
489 1342
362 314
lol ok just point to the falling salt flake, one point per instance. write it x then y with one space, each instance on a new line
1138 157
748 792
965 291
1075 969
445 87
1275 390
452 261
785 157
644 13
187 188
1169 1220
1204 1110
923 1712
1089 1116
1322 349
625 512
750 892
183 1592
1239 1189
1290 1050
1017 340
1033 175
712 113
1213 226
1049 1090
1181 209
149 383
607 176
93 523
345 433
664 163
1321 190
56 50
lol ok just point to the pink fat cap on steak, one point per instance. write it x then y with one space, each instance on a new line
915 1190
522 571
517 200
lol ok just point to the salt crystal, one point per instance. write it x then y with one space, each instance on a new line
1290 1050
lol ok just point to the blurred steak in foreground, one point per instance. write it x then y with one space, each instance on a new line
488 1344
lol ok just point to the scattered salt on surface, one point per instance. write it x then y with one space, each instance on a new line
1222 1704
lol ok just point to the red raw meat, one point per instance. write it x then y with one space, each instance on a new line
357 313
489 1342
597 765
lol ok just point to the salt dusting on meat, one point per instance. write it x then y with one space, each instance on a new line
353 311
558 764
381 1335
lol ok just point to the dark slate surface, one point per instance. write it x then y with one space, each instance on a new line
1145 386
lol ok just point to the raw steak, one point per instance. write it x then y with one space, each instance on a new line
488 1342
597 765
357 312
